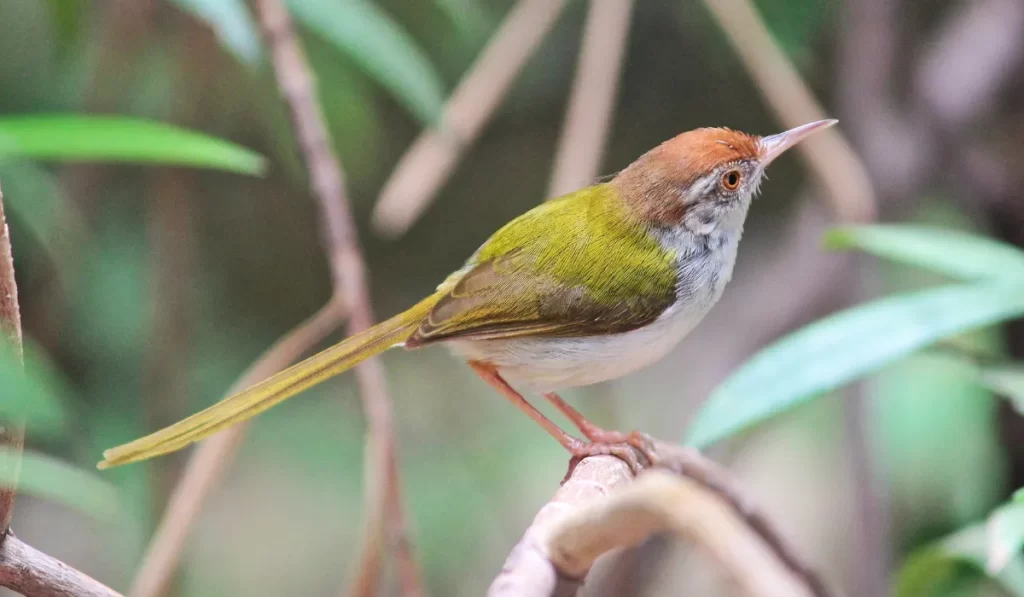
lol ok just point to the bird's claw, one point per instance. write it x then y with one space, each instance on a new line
636 449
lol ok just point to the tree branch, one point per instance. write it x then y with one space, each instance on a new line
33 573
599 508
433 156
592 102
383 490
12 433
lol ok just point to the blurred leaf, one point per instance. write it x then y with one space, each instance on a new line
114 139
1006 380
32 394
932 568
233 24
1018 496
34 196
46 477
1005 533
951 252
380 46
844 346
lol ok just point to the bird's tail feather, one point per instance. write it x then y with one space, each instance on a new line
253 401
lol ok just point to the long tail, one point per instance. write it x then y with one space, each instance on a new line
251 402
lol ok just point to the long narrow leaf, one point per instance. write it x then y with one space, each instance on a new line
380 46
840 348
950 252
233 24
113 139
46 477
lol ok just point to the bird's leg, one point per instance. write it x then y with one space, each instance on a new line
577 447
642 442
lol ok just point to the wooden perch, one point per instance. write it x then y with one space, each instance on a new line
600 508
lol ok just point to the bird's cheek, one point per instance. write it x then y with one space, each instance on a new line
702 218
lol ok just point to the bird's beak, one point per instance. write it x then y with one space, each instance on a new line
775 145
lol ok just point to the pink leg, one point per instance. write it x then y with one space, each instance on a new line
575 446
598 435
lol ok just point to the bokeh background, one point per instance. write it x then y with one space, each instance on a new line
149 289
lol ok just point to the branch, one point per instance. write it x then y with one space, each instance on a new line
599 509
207 465
433 156
12 433
829 155
348 273
33 573
592 102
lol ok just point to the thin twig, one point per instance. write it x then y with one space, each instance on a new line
207 465
12 433
383 492
829 155
592 101
596 510
34 574
433 156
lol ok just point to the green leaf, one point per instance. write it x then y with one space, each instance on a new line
32 394
46 477
842 347
114 139
951 252
233 24
1004 536
934 567
380 46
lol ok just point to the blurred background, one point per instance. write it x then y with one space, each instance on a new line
148 289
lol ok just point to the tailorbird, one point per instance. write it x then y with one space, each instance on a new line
581 289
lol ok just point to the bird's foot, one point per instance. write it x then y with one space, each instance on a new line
636 449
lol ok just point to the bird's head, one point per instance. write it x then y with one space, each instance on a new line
704 179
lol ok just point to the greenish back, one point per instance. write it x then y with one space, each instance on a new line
573 266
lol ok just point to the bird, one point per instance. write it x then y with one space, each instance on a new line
581 289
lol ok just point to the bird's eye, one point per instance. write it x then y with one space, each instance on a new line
731 180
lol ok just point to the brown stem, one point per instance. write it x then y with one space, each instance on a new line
12 433
383 492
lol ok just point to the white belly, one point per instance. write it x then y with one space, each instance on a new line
546 364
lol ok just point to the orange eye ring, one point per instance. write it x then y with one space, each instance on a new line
731 179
